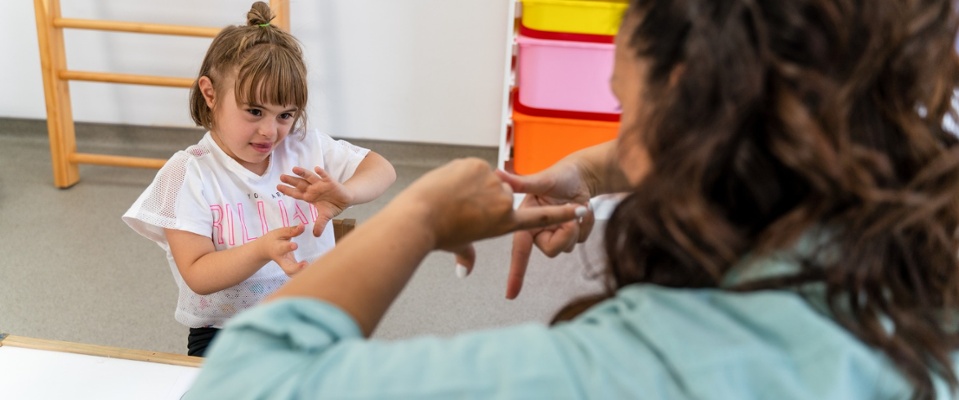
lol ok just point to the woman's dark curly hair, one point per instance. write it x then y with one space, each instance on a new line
792 115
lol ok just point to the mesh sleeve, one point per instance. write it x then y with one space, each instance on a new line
158 206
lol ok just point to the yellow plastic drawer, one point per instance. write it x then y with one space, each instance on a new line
593 17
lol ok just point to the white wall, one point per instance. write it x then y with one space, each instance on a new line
427 71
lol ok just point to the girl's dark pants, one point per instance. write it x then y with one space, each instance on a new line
199 339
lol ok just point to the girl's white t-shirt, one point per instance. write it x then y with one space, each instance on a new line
204 191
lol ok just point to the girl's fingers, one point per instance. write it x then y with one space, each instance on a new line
320 172
299 171
307 176
292 232
294 181
320 225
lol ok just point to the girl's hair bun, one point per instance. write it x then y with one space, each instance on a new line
259 14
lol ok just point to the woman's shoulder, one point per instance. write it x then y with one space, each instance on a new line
719 313
728 342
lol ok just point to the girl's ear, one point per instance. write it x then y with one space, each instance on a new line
208 91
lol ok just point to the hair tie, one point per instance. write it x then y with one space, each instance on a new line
264 25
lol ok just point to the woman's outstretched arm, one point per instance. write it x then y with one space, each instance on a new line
447 209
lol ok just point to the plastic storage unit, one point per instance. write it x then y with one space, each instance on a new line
593 17
563 102
540 139
565 75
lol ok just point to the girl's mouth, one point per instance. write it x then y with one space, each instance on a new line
262 147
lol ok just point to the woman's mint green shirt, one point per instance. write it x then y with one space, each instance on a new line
648 342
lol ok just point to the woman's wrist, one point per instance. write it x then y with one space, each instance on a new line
415 218
598 173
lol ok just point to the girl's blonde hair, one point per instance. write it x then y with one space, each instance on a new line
266 62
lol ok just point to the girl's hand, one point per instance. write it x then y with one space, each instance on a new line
316 187
277 245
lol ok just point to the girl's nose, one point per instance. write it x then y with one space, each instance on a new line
267 129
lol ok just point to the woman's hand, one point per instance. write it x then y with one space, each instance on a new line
317 187
561 184
465 201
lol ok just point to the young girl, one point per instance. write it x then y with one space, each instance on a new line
230 211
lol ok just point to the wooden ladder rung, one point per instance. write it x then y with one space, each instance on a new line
56 77
136 27
117 161
125 78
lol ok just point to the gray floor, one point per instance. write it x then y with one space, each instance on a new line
71 270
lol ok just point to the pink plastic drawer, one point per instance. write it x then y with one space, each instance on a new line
565 75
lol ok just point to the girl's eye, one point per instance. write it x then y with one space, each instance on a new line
286 116
255 112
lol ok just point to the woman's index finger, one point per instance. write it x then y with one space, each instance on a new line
539 217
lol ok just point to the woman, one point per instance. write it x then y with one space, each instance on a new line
790 232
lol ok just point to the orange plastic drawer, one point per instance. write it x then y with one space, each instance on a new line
539 142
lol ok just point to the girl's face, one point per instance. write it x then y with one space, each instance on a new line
627 84
248 133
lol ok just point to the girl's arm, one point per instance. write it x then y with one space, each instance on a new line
206 270
448 209
372 177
